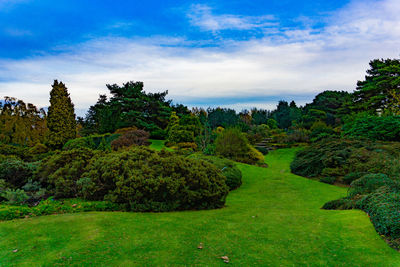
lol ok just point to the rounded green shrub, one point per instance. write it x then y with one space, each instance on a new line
63 169
328 179
228 168
233 144
154 181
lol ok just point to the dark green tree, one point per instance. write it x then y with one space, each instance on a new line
382 81
61 116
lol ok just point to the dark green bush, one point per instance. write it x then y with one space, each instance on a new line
369 183
229 170
339 204
233 144
350 177
62 170
91 142
328 179
15 197
340 157
154 181
385 128
15 171
383 207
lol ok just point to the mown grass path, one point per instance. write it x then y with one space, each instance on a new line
274 219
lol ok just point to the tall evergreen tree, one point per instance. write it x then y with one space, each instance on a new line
61 116
375 93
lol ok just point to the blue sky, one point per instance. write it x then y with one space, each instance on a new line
228 53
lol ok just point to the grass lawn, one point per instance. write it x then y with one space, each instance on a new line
274 219
158 145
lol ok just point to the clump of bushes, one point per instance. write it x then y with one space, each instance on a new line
233 144
386 128
15 171
147 180
347 160
227 167
379 197
61 171
99 142
130 138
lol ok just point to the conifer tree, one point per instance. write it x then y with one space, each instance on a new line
61 116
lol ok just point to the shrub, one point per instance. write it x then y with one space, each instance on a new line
15 197
328 180
299 135
100 142
152 181
232 144
369 183
38 149
350 177
383 207
339 204
228 168
137 137
373 127
15 171
62 170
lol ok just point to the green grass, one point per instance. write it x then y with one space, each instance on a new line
158 145
274 219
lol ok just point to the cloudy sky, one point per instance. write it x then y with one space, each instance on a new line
205 53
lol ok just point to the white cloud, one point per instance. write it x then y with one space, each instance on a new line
202 16
299 62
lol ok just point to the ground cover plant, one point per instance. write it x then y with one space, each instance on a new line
273 219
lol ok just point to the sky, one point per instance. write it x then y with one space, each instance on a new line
237 54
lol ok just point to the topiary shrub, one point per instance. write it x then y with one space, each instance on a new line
154 181
62 170
233 144
15 171
228 168
136 137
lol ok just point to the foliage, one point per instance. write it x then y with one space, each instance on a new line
135 137
375 93
368 183
152 181
20 123
15 171
129 106
273 209
222 117
328 179
233 144
61 117
98 141
63 169
228 168
373 127
15 197
51 206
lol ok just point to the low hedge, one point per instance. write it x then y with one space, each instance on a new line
51 206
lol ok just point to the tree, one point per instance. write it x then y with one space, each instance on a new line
375 93
282 115
129 106
61 116
21 123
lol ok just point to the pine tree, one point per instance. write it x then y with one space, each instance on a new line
61 116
